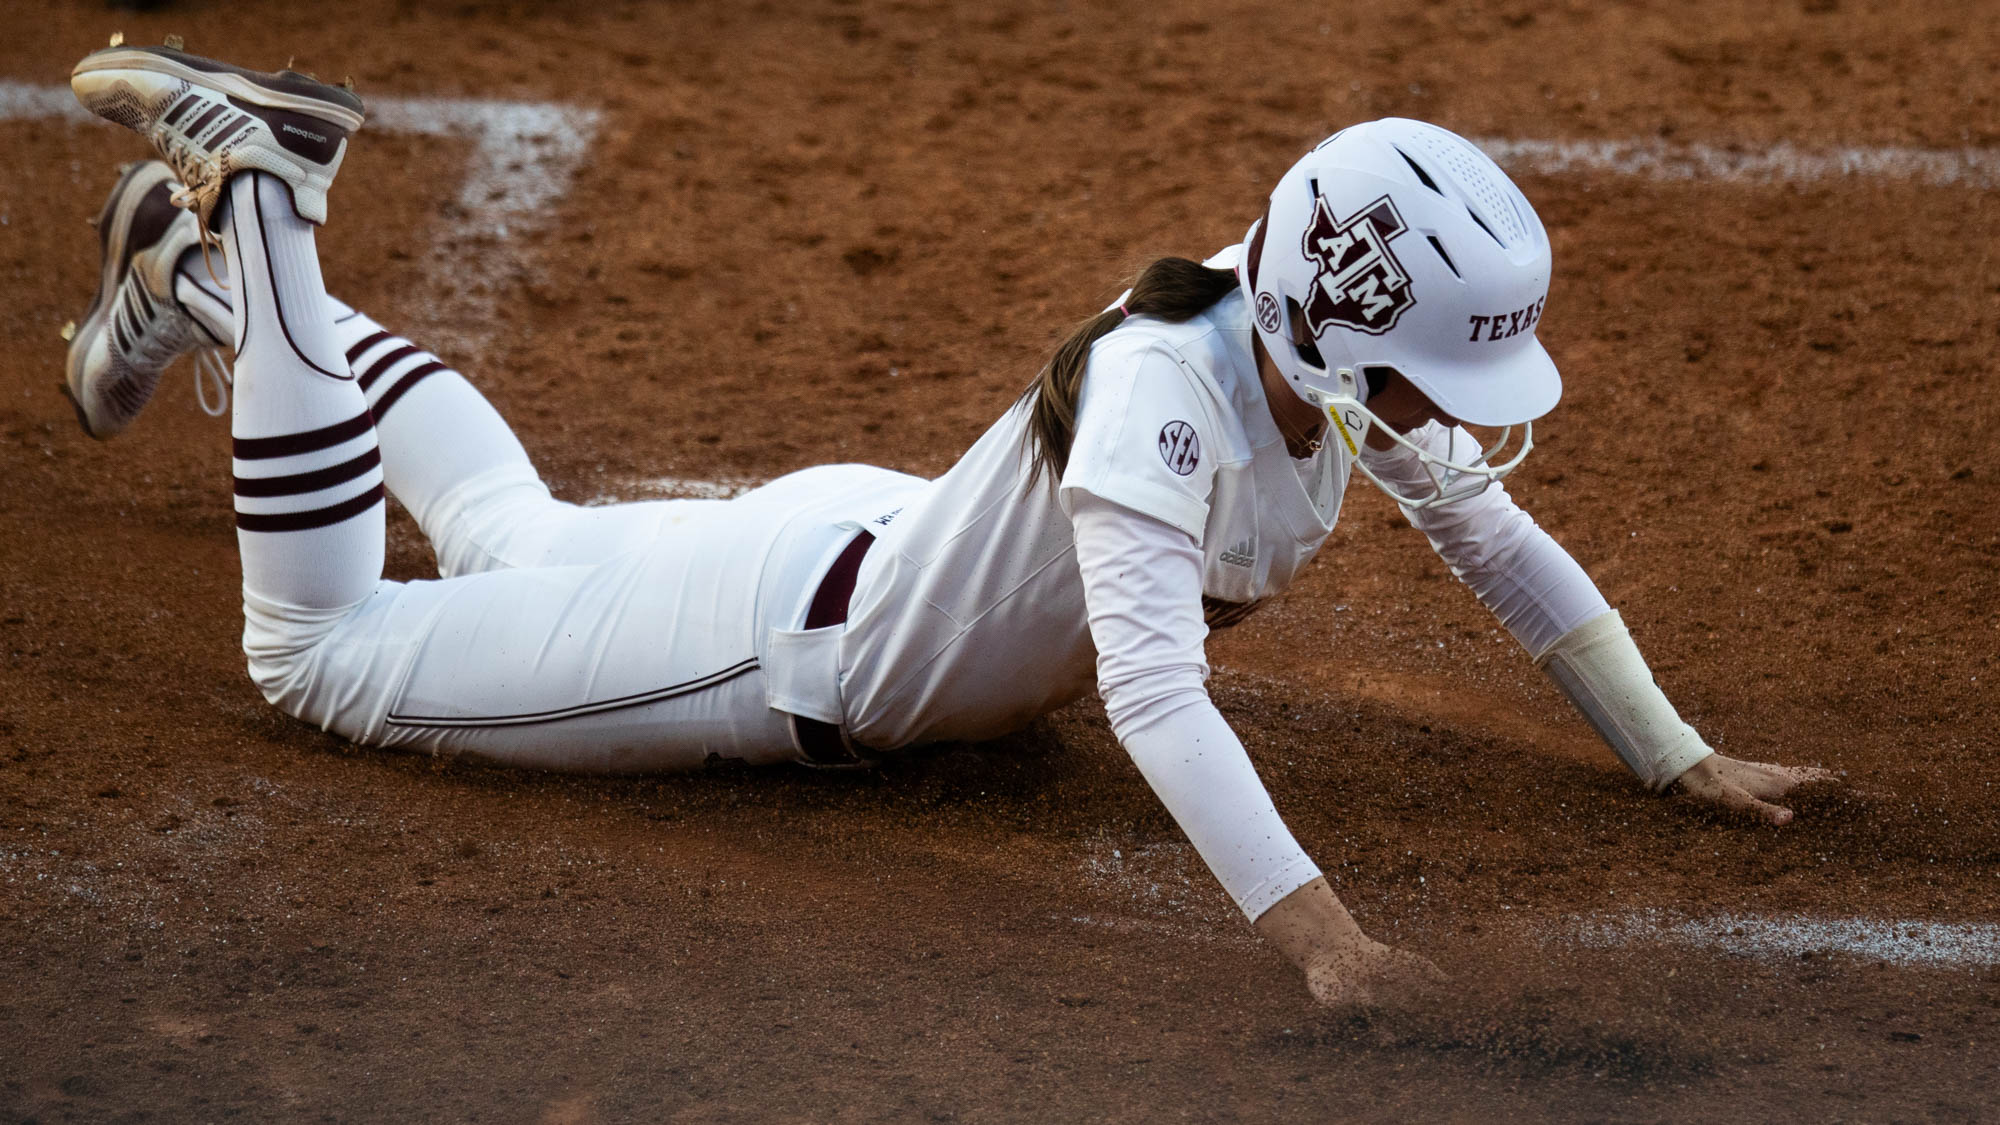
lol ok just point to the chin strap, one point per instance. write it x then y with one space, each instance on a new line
1451 477
1599 668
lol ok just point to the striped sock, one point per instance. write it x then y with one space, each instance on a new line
438 433
433 443
385 366
307 471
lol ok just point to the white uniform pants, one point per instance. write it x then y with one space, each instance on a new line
619 639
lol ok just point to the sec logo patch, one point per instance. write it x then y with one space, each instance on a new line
1179 447
1267 313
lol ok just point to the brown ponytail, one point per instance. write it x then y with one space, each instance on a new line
1172 289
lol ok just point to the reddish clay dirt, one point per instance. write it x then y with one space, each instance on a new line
830 230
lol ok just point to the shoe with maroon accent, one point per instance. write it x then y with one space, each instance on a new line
135 327
209 121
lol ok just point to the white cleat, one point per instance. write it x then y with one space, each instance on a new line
210 120
135 328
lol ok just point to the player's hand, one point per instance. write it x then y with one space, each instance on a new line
1368 972
1748 787
1341 964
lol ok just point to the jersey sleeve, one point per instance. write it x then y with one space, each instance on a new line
1516 569
1142 587
1146 438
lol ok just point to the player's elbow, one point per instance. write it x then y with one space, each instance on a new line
1475 550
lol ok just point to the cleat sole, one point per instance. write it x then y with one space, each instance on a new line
101 72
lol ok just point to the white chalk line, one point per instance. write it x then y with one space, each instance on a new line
1904 943
524 156
673 488
1782 162
1157 888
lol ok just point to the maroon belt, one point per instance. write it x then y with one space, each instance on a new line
821 743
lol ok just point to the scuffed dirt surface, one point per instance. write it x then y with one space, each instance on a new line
840 231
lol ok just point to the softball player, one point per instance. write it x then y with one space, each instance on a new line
1180 460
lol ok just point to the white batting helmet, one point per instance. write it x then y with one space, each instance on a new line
1399 244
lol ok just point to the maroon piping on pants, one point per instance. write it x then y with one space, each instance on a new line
820 742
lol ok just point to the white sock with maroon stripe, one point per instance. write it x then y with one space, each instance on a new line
308 476
433 441
438 432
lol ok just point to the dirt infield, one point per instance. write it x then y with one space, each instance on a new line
827 230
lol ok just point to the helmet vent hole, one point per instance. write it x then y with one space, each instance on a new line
1308 350
1484 227
1448 263
1309 355
1423 177
1312 185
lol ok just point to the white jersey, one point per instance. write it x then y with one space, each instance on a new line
969 619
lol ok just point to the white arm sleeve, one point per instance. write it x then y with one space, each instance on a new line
1601 671
1142 584
1516 569
1553 608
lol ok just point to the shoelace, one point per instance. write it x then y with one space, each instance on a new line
209 369
188 199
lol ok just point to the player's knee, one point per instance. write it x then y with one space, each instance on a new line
481 524
287 654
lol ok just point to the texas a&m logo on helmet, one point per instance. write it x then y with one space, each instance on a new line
1360 284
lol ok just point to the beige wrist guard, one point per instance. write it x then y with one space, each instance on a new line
1600 669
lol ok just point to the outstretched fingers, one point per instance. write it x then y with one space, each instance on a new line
1745 787
1404 974
1735 796
1776 816
1374 974
1763 779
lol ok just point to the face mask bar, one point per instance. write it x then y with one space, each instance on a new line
1448 479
